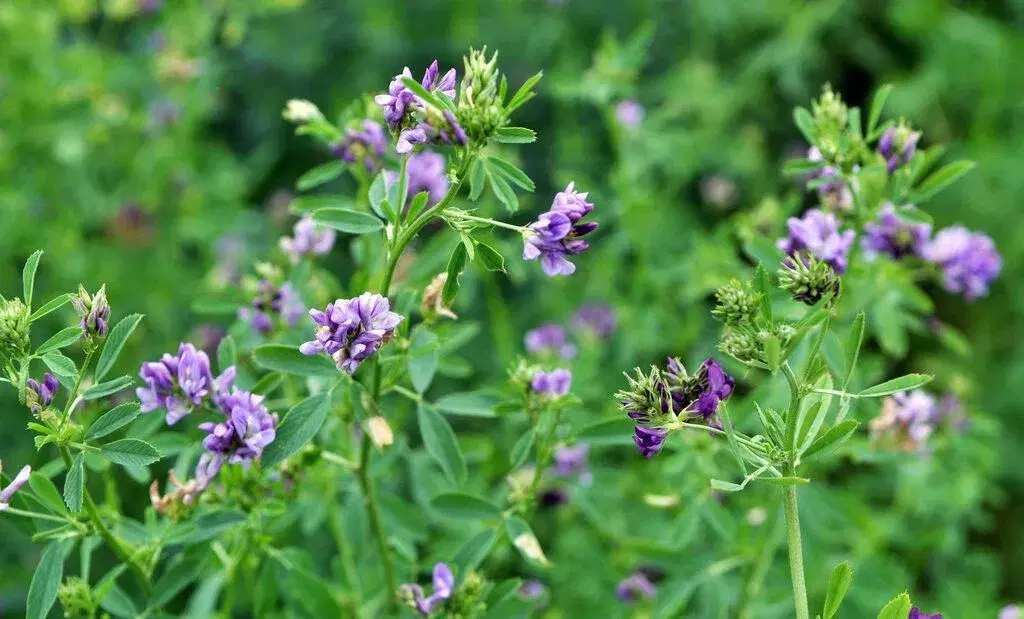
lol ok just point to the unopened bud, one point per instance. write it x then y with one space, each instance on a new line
301 112
14 339
737 303
433 300
380 432
808 279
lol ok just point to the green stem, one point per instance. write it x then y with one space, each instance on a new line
73 394
796 553
21 512
794 405
375 524
491 222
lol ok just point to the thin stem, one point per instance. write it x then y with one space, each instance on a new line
796 553
73 394
491 222
27 514
375 523
794 405
330 456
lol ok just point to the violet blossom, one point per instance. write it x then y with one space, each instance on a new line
629 113
834 194
1011 612
39 395
894 236
310 238
907 418
969 261
817 233
596 320
915 613
272 301
649 441
7 494
427 172
557 233
897 146
241 437
553 384
352 330
433 126
444 586
572 462
636 586
180 383
367 146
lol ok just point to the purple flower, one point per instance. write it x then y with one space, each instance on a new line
556 233
19 480
427 172
894 236
818 233
180 383
836 194
548 339
368 145
397 101
649 441
1011 612
635 587
629 113
241 437
310 238
434 126
352 330
715 386
40 394
917 614
444 586
909 418
273 301
572 462
595 319
553 384
969 261
897 146
532 589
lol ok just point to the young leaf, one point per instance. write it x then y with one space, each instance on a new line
772 352
515 135
112 420
130 452
785 481
74 484
467 404
28 277
319 175
725 486
227 353
524 94
477 177
115 342
42 592
941 179
441 444
491 258
464 507
832 439
106 388
837 586
456 263
898 608
903 383
853 344
288 360
511 173
419 201
877 105
348 220
474 551
62 338
298 427
800 167
173 580
51 305
805 123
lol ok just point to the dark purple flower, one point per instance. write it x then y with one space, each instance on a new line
629 113
897 146
635 587
549 339
310 239
367 145
557 233
241 437
553 384
444 586
715 386
40 394
180 383
427 172
818 233
649 441
917 614
572 462
553 497
94 310
969 260
595 319
19 480
352 330
272 301
893 236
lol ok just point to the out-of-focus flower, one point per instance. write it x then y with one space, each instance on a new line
637 586
352 330
367 145
718 191
310 239
756 516
572 462
835 194
894 236
444 586
898 145
427 172
272 301
969 261
907 418
553 384
532 589
39 395
380 431
557 233
549 339
595 319
301 112
917 614
818 233
19 480
1011 612
629 113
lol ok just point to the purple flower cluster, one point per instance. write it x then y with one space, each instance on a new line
894 236
557 233
969 260
595 320
915 613
553 384
444 586
640 585
897 146
907 418
19 480
40 394
367 145
433 126
818 234
272 300
549 339
834 194
241 437
427 172
310 239
180 383
352 330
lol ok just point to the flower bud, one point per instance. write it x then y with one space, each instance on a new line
76 598
480 110
830 113
94 312
737 303
433 305
808 279
14 340
380 432
740 345
301 112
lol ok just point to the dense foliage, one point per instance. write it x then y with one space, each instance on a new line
396 387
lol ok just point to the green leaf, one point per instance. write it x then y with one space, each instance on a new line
62 338
46 492
115 342
312 593
205 527
853 344
113 420
912 214
730 434
896 385
419 201
442 444
74 484
941 179
422 358
763 282
805 123
423 93
524 94
467 404
799 167
510 173
50 306
491 258
476 178
119 604
227 353
298 427
310 204
877 105
474 551
456 263
725 486
521 450
173 580
464 507
515 135
111 386
898 608
42 592
28 277
319 175
130 452
288 360
831 440
62 366
502 190
772 352
525 540
268 384
838 583
348 220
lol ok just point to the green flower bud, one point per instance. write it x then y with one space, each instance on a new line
14 340
808 279
830 113
76 598
480 110
737 303
740 345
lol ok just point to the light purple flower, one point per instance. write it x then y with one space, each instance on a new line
549 339
531 589
572 462
444 586
556 233
1011 612
629 113
553 384
649 441
241 437
272 301
40 394
596 320
893 236
917 614
969 261
427 172
352 330
19 480
367 145
310 238
433 126
897 146
180 383
635 587
818 234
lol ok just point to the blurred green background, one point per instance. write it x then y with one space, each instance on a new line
141 145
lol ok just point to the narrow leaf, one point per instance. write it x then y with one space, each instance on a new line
474 551
46 492
227 353
490 258
521 450
115 342
28 277
42 592
74 484
515 135
941 179
875 113
838 583
898 608
456 263
319 175
109 387
903 383
464 507
288 360
310 204
831 440
422 359
112 420
51 305
62 338
853 344
469 404
805 123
